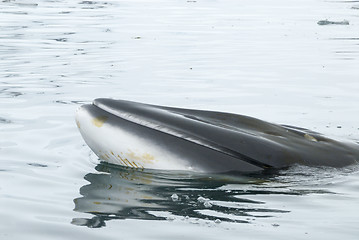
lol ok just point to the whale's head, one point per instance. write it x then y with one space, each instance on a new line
148 136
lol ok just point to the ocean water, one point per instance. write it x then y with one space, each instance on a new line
289 62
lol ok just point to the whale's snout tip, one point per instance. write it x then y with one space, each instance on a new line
83 114
78 110
78 116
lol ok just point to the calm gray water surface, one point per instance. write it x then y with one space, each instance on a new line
281 61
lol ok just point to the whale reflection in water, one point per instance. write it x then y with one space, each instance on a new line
117 192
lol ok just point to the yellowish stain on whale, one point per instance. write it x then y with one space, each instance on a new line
135 164
131 165
99 121
126 162
310 138
78 124
148 157
121 160
145 158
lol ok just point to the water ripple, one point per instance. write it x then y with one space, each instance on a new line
116 192
267 59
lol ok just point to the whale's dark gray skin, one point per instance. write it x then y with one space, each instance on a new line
148 136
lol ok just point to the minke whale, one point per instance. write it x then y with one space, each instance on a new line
141 136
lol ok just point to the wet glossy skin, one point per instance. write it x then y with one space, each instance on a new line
147 136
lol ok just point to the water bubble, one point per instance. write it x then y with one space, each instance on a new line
174 197
170 218
202 199
207 204
217 221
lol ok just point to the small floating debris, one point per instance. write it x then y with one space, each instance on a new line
88 2
61 39
327 22
37 165
217 221
4 120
